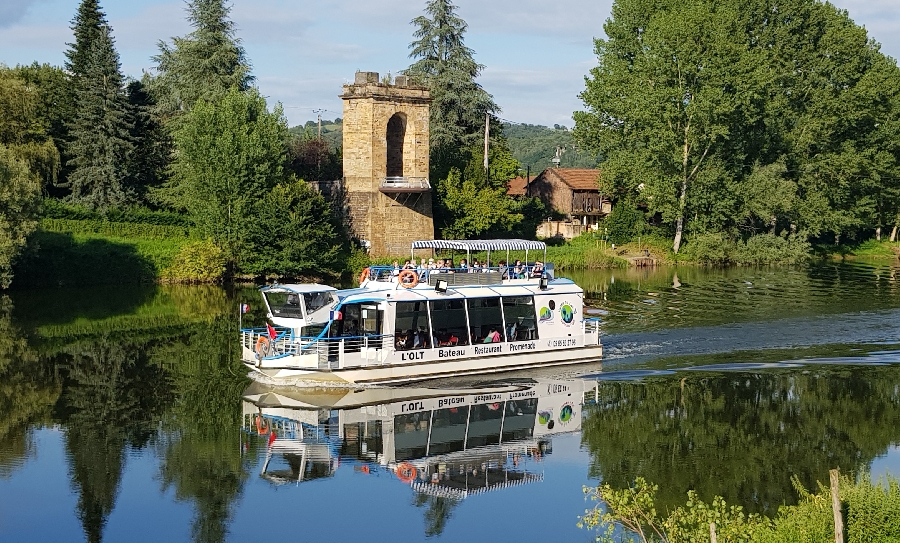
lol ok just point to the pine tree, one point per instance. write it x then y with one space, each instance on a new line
99 140
152 144
447 67
205 64
87 25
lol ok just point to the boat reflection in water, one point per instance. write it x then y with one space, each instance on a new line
451 443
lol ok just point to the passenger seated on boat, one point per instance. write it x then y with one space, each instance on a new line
464 266
445 338
420 339
492 337
504 271
518 271
395 271
538 269
401 342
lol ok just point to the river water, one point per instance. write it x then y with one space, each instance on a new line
125 415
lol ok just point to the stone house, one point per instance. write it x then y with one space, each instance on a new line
570 191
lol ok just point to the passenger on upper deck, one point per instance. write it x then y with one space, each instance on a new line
538 269
395 271
408 265
519 271
504 271
463 266
476 267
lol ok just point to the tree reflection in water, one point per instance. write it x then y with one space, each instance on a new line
108 379
742 435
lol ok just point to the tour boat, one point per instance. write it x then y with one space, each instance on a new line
450 442
412 324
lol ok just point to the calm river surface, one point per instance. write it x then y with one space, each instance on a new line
125 415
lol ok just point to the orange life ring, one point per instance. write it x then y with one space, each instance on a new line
408 283
406 472
262 347
363 275
261 429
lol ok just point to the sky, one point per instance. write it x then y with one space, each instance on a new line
536 53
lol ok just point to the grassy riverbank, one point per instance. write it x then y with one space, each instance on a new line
96 252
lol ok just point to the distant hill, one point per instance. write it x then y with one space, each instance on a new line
332 131
534 145
531 144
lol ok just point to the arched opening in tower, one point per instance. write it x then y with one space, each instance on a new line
396 133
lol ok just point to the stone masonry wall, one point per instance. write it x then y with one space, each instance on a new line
390 222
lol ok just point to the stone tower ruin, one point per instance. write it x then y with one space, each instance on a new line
388 195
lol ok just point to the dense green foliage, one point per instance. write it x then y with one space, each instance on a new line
293 233
204 65
445 65
230 154
19 203
719 120
633 514
26 124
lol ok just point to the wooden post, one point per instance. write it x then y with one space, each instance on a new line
712 533
836 505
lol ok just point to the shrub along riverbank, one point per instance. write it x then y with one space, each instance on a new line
871 512
140 246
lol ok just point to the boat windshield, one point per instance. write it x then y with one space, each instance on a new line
284 304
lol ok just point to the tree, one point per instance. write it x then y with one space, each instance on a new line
152 145
448 69
293 232
25 123
720 121
99 144
229 154
473 208
672 84
20 193
205 64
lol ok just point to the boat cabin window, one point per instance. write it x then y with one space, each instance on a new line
411 435
449 323
358 320
520 318
519 420
448 430
284 304
485 424
486 320
411 327
317 300
312 331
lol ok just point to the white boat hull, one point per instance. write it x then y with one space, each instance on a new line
427 369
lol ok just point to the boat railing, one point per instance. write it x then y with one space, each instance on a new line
591 329
329 353
457 276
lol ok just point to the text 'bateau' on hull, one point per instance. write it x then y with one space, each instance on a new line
410 324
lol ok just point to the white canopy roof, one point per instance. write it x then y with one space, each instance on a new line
481 244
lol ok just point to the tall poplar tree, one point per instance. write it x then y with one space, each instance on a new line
99 144
205 64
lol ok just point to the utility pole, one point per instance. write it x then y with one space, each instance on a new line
487 131
319 113
528 181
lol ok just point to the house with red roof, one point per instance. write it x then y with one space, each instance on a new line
574 192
